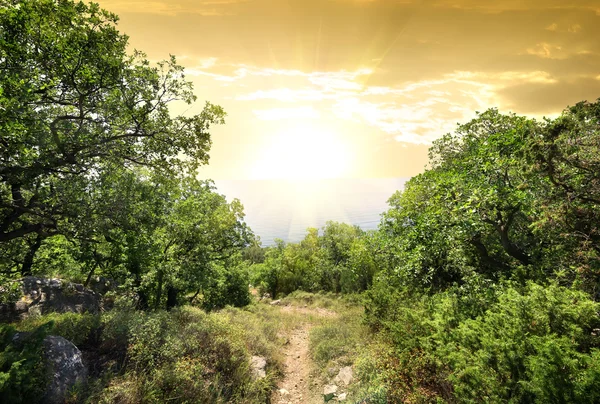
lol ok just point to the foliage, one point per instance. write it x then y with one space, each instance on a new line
338 260
97 176
22 372
81 329
184 355
75 107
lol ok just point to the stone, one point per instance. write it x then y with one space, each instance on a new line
344 376
283 392
276 302
64 366
102 285
42 295
258 365
329 392
342 397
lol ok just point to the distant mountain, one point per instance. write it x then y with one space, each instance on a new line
286 208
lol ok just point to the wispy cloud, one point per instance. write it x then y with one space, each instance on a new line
415 112
275 114
550 51
173 8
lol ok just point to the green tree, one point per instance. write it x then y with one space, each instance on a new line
74 106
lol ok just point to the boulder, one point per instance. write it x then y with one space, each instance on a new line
275 302
258 365
344 376
64 367
42 295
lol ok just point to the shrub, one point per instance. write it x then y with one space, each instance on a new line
533 344
184 355
22 371
79 328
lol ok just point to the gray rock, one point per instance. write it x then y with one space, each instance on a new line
41 295
102 285
342 397
329 392
258 365
344 377
276 302
65 366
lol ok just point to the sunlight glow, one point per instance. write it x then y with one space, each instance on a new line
303 153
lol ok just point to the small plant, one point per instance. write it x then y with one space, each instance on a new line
22 371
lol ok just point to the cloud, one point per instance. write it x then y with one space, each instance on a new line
549 51
275 114
545 99
415 112
172 8
517 5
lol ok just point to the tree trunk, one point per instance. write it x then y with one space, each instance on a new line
172 294
159 289
30 256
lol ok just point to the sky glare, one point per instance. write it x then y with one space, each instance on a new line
360 88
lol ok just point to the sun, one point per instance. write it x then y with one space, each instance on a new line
303 153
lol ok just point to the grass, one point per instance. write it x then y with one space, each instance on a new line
188 355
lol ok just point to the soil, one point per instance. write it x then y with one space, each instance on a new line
296 386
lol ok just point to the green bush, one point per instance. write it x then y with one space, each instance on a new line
79 328
22 371
532 344
185 355
230 288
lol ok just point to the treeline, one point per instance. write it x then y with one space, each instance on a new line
342 259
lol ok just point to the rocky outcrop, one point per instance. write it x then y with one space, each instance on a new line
41 295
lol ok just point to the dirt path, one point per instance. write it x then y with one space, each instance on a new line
295 387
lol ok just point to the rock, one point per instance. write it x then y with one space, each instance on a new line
42 295
342 397
283 392
329 392
344 377
102 285
63 360
64 366
276 302
258 365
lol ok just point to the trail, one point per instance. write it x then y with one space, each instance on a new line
296 387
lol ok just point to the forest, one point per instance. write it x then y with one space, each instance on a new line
481 283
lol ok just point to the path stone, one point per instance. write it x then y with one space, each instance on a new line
258 365
344 377
329 392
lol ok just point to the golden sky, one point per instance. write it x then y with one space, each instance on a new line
360 88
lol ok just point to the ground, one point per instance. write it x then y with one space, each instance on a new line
296 385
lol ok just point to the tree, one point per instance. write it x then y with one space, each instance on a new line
73 106
566 154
